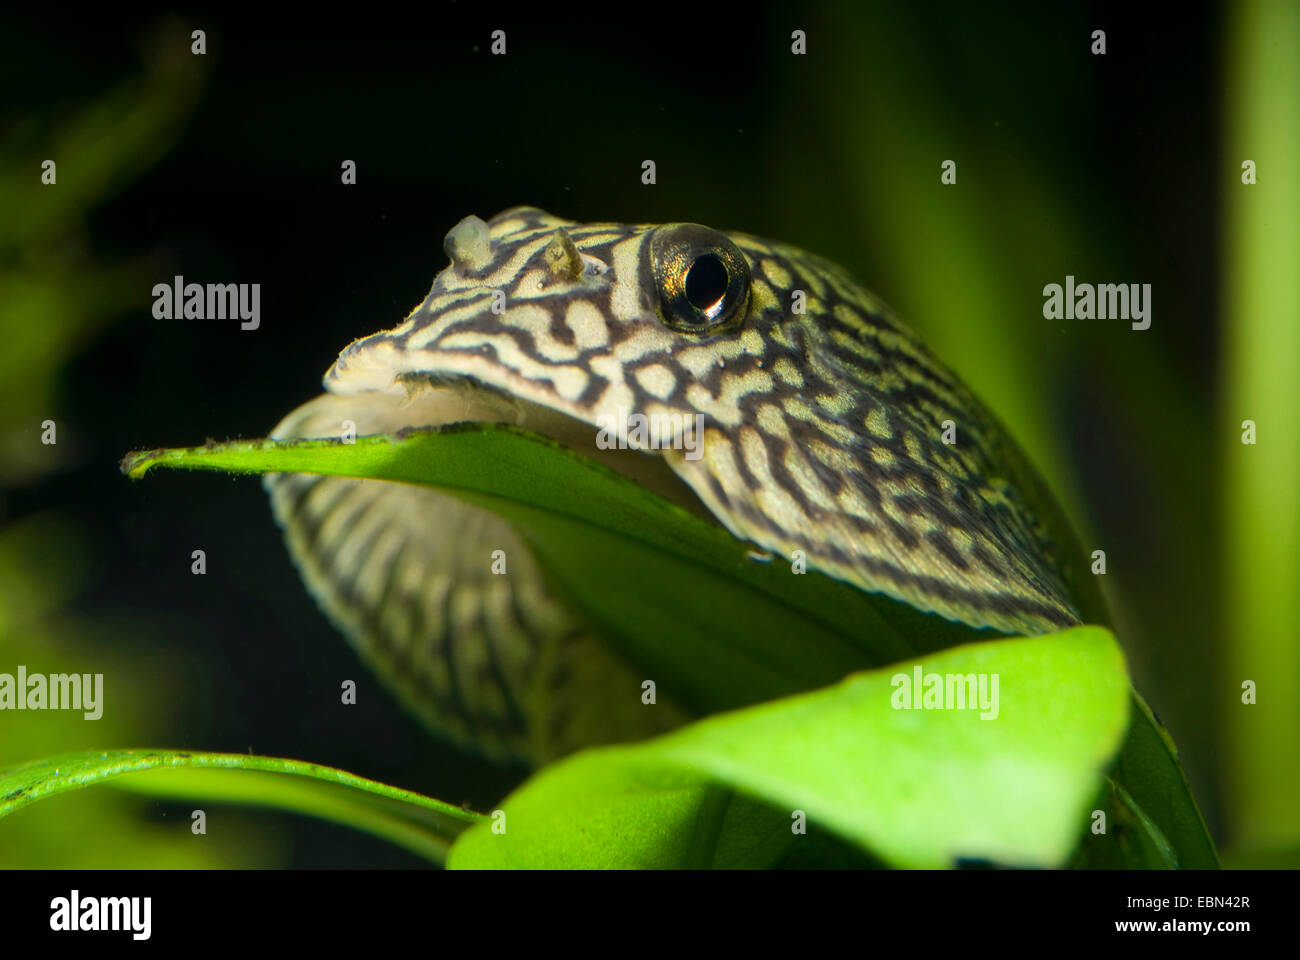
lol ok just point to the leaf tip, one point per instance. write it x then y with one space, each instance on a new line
138 462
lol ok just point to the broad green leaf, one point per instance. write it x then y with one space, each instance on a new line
422 825
917 788
641 568
676 596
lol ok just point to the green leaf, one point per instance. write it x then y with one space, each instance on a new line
640 568
917 788
422 825
678 597
1149 770
1129 835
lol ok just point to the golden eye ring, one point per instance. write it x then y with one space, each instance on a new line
702 279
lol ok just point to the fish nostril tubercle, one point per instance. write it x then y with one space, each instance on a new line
468 244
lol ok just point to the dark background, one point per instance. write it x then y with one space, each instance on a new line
244 186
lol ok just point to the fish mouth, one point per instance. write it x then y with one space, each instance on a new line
368 400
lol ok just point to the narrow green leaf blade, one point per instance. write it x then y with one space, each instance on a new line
420 824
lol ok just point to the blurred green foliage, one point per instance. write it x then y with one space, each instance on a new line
1260 509
42 569
57 293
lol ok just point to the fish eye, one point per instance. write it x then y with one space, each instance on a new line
702 278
